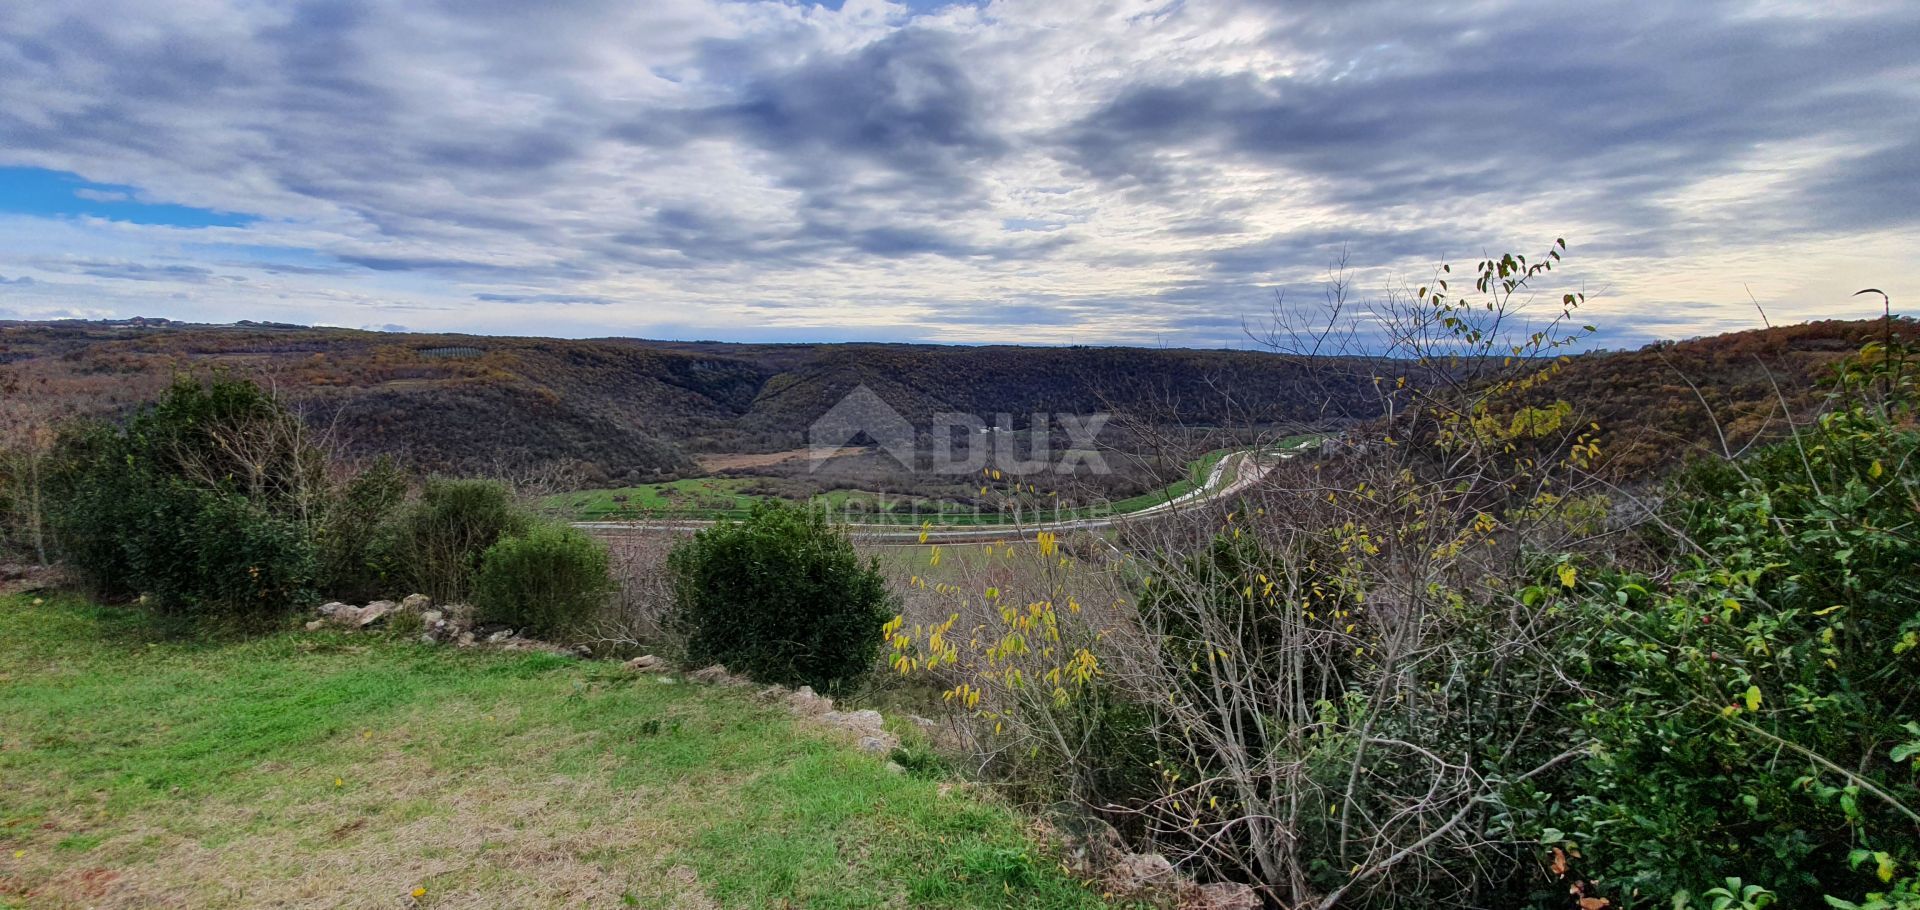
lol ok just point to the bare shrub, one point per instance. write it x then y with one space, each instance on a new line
633 618
26 441
1329 686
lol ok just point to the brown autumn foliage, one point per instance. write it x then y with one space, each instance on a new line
1721 394
604 412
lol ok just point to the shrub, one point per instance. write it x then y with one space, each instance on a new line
248 561
23 503
91 500
438 540
1754 711
203 503
1342 690
354 541
26 436
544 581
780 596
215 500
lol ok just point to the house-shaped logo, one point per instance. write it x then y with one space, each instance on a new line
861 419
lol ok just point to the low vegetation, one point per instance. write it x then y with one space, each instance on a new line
1448 663
542 582
216 503
336 770
436 543
1472 652
782 597
735 497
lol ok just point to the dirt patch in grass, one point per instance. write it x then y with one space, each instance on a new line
714 463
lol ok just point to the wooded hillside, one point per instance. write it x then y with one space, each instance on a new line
623 410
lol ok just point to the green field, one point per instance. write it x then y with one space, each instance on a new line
722 497
697 494
320 769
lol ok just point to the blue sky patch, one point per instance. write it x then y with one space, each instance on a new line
57 194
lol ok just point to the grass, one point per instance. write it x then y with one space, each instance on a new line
697 494
718 497
319 769
1197 472
1196 476
957 559
721 497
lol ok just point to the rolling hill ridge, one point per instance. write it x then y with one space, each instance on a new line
625 410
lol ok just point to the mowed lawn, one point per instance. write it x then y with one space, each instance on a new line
326 770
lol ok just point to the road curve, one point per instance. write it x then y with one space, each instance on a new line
1231 474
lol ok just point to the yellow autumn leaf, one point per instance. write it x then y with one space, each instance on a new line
1753 698
1568 575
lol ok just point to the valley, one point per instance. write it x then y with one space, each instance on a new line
684 427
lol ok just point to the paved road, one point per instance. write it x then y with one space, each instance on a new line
1231 474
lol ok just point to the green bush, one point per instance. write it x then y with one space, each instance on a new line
1754 712
780 596
437 542
203 503
92 498
545 581
248 561
1117 761
355 540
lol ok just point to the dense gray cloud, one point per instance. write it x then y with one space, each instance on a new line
1876 188
903 104
1634 99
1043 170
133 271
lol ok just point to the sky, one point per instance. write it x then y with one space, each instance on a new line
1025 171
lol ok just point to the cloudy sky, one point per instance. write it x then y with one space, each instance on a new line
1043 171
